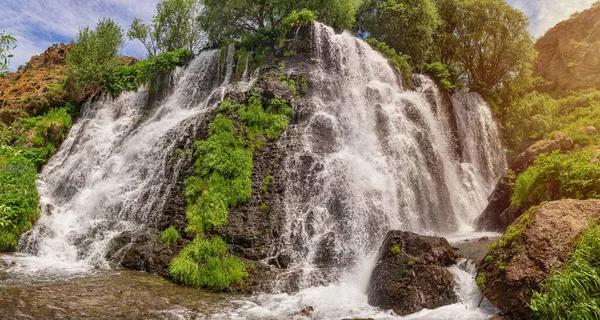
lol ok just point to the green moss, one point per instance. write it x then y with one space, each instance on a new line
514 231
489 258
170 235
574 292
303 85
265 185
396 249
410 263
481 281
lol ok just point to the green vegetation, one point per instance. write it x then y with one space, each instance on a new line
407 26
94 56
223 181
206 263
6 45
441 75
396 249
130 78
538 116
26 146
265 185
481 281
558 176
174 27
170 235
574 292
401 62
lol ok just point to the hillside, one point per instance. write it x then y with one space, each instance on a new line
569 54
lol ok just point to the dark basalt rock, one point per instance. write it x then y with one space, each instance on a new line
499 214
411 273
277 90
142 250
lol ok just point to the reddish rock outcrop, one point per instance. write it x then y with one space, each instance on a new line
569 54
539 242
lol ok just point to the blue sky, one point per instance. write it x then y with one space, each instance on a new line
37 24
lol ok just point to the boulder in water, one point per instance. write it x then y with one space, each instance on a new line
411 273
541 241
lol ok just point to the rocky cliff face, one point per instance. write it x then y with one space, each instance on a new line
569 54
536 244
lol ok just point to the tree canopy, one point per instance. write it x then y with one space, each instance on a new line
94 55
407 26
174 26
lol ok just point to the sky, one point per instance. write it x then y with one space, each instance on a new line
37 24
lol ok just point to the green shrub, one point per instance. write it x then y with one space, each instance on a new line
206 263
299 19
558 176
401 62
573 293
130 78
272 122
169 236
441 75
19 198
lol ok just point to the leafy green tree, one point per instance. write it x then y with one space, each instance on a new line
145 34
407 26
175 26
223 19
493 44
6 45
94 55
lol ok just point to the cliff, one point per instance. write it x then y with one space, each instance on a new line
569 54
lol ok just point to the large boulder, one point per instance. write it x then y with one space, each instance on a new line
411 273
539 242
527 157
275 89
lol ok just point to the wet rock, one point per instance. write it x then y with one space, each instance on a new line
411 273
142 250
306 312
499 214
277 90
544 240
526 158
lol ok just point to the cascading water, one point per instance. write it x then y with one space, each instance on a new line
111 174
372 157
369 157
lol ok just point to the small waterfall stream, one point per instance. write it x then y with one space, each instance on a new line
111 174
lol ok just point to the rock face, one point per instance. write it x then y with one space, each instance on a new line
499 214
541 241
526 158
142 250
411 273
569 54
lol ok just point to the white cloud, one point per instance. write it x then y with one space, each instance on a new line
545 14
37 24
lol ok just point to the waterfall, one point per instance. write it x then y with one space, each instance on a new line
112 173
370 156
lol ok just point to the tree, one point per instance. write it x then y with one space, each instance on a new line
94 55
407 26
174 26
223 19
6 45
493 45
